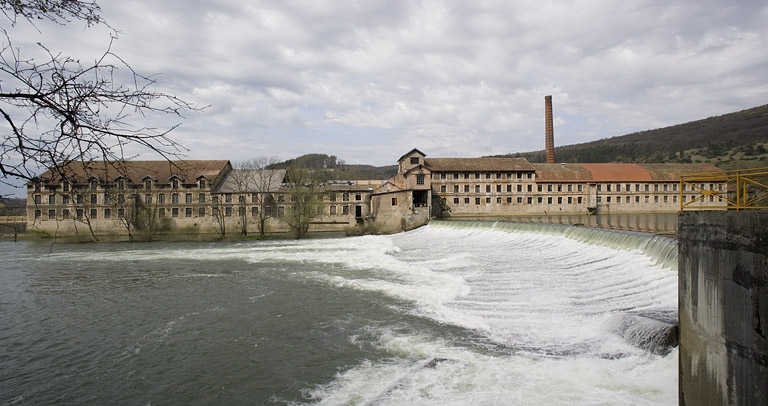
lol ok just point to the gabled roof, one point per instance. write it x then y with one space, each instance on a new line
252 180
478 164
604 172
133 171
411 152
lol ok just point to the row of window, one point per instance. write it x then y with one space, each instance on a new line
175 198
122 184
576 200
486 175
176 212
638 187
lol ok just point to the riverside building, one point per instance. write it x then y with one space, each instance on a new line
211 196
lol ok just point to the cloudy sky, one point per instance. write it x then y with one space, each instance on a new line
369 80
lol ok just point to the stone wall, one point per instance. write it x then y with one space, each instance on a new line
723 307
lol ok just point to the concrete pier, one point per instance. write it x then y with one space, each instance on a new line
723 307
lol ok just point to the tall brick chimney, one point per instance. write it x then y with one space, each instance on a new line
549 131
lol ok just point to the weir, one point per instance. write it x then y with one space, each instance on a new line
663 250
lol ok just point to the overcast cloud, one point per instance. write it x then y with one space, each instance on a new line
369 80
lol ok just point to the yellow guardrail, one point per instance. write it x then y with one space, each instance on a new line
743 189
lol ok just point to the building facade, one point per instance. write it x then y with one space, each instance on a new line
211 197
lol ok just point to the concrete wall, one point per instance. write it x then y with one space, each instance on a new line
723 295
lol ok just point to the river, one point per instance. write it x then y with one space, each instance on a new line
454 313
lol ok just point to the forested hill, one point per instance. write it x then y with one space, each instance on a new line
732 140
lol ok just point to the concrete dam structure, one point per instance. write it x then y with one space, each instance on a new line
723 309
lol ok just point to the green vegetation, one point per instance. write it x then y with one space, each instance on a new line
332 168
731 141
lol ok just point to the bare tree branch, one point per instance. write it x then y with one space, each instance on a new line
59 110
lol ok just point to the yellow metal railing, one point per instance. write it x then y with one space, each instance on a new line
744 189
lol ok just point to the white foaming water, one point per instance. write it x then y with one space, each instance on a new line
540 304
525 318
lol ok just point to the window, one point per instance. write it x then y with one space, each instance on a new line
559 188
228 198
414 160
79 199
38 214
333 210
93 213
161 212
345 196
161 198
148 184
120 213
509 188
420 179
65 199
188 198
148 198
477 176
214 200
94 198
442 176
201 198
498 200
201 211
498 188
559 200
65 186
241 199
466 176
455 200
579 188
175 212
51 199
332 197
228 211
579 199
509 200
466 200
65 214
570 200
530 188
121 184
487 200
477 201
394 201
549 199
455 188
201 184
107 198
94 185
477 188
107 213
466 188
51 214
175 198
175 184
487 188
359 196
345 210
442 188
188 212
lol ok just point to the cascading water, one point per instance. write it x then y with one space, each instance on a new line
451 313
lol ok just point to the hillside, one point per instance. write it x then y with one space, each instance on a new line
730 141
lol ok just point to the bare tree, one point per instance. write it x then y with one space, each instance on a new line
305 206
57 109
265 186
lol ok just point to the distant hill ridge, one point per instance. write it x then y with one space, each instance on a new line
734 139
